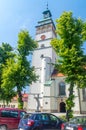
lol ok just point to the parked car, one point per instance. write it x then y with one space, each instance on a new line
40 121
10 117
76 123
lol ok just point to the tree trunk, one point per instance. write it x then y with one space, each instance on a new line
70 102
20 101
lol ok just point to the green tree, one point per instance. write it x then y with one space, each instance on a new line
68 46
6 52
18 72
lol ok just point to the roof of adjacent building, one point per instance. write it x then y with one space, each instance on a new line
24 97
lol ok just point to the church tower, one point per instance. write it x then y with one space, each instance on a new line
43 58
45 30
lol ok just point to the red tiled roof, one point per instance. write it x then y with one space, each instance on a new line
56 73
24 97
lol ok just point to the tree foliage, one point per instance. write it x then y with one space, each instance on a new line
6 52
68 46
18 72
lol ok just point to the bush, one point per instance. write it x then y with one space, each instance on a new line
63 117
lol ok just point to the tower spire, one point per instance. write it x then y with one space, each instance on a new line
47 5
47 13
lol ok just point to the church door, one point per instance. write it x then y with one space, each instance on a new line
62 107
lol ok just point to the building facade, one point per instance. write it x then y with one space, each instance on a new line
14 102
50 91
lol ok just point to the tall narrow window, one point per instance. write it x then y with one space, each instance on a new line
62 89
84 94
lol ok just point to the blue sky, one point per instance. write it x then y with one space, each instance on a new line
24 14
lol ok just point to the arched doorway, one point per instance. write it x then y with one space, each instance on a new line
62 107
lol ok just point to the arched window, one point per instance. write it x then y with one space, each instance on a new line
62 89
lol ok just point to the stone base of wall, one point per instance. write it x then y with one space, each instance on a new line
58 113
44 110
83 112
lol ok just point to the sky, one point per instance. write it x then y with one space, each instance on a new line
24 14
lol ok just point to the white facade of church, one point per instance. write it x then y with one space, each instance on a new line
50 91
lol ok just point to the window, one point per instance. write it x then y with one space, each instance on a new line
54 118
84 94
42 45
42 56
45 117
22 114
10 114
13 114
38 117
5 113
61 89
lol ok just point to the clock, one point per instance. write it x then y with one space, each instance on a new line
43 37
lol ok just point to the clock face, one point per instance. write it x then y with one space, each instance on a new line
43 37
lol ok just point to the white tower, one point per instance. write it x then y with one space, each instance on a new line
43 58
